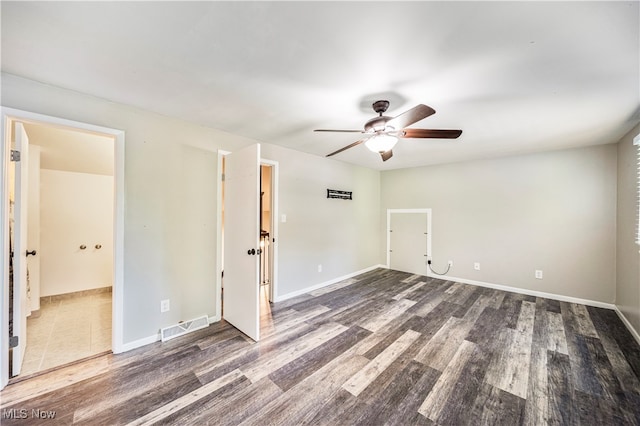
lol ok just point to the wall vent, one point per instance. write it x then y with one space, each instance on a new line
183 328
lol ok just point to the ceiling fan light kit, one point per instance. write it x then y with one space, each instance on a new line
382 132
381 143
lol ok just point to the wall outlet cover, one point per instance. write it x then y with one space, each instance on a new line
165 305
476 266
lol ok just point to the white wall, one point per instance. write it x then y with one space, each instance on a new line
627 256
76 209
553 211
170 207
341 235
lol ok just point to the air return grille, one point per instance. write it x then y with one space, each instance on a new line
183 328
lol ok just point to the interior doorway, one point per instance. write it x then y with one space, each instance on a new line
65 315
267 245
70 230
267 228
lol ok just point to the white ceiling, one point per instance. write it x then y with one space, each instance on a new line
516 77
72 150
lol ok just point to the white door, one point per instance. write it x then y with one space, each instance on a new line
33 224
242 240
409 242
21 305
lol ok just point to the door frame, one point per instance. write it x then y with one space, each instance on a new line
274 226
275 168
8 116
21 302
399 211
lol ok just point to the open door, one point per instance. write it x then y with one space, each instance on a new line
21 305
242 240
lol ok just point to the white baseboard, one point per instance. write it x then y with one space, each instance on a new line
152 339
156 338
140 342
626 322
552 296
528 292
293 294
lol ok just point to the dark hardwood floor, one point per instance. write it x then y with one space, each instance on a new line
385 348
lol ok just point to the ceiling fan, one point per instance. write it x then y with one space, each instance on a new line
382 132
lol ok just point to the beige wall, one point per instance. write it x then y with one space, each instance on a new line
553 211
627 257
162 259
170 207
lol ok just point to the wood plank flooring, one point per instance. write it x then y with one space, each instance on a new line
383 348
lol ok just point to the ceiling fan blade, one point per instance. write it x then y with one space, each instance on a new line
430 133
386 155
411 116
346 147
334 130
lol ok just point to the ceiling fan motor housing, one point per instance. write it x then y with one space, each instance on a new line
377 124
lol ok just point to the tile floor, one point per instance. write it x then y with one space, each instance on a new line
68 330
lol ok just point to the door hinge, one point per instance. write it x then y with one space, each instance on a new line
15 155
223 177
13 341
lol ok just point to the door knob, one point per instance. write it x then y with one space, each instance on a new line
251 252
31 253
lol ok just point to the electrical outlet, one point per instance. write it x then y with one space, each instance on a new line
538 274
319 268
165 305
283 218
476 266
450 263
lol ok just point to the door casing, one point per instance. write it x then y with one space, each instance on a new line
8 116
401 211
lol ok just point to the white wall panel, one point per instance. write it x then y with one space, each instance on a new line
76 210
